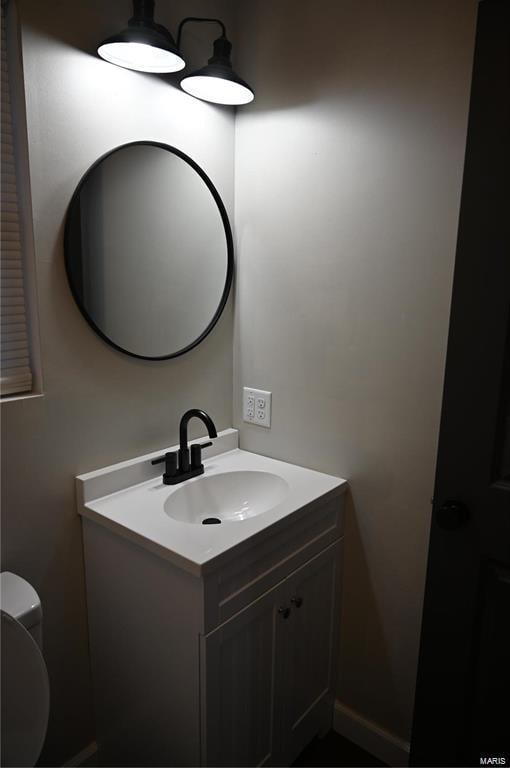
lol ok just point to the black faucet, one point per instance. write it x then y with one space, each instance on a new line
178 465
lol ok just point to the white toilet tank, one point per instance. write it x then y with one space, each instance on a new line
25 687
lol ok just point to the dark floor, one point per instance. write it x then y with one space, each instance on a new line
335 751
91 762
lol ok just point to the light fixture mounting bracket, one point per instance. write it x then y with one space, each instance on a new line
143 12
199 18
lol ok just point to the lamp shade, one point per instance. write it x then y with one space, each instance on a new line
143 46
217 82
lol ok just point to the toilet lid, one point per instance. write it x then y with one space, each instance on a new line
25 695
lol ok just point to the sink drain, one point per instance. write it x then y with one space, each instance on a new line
211 521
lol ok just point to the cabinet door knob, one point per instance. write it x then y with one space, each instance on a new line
285 612
298 601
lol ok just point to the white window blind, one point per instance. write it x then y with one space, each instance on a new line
15 373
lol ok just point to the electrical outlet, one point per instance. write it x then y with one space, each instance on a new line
257 407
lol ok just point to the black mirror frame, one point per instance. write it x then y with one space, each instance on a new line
228 235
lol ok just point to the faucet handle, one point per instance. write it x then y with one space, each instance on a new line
196 454
170 459
170 467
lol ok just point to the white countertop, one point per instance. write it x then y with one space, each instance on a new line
137 512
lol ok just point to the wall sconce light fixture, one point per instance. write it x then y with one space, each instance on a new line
217 81
149 47
144 45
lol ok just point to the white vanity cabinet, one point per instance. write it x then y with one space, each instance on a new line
267 673
233 668
211 645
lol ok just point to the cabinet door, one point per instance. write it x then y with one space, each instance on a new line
238 678
310 651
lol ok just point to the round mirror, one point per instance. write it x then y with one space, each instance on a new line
148 250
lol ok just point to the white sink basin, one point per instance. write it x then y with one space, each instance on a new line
247 492
226 497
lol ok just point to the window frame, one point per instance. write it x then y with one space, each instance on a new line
10 18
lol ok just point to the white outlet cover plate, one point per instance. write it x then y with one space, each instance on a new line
257 407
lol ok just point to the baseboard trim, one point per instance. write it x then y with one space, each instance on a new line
370 736
348 723
80 758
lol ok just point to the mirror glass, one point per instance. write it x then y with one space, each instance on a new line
148 250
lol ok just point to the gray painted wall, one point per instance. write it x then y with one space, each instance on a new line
99 406
348 177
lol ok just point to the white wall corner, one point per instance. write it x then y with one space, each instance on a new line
369 736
